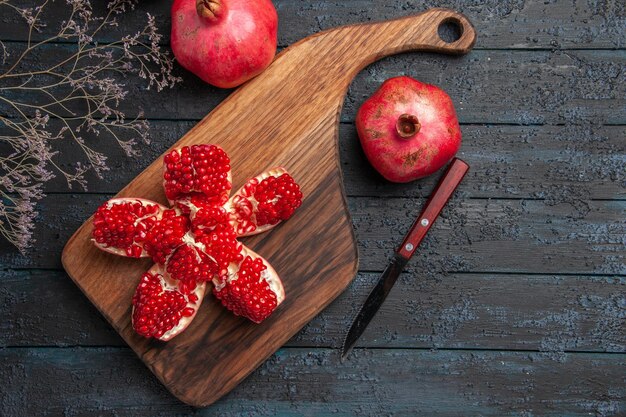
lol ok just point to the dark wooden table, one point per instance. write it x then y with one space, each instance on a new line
514 305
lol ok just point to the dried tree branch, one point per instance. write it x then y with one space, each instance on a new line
80 92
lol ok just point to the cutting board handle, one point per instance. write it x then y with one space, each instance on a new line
419 32
360 45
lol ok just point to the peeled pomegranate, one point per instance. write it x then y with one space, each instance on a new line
224 42
194 243
408 129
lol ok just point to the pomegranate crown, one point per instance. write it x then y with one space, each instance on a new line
209 9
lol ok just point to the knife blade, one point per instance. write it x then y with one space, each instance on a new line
438 199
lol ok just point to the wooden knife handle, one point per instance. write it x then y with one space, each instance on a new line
438 199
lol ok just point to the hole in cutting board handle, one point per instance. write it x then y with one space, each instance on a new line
450 30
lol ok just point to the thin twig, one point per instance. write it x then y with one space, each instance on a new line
80 92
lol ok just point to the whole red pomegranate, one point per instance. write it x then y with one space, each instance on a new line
224 42
408 129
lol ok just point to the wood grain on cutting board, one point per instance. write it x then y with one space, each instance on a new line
286 116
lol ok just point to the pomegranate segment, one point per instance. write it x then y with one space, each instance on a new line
252 289
160 309
264 201
120 225
204 215
189 266
166 235
197 169
222 247
204 257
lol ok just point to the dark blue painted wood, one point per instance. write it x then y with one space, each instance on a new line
297 382
520 288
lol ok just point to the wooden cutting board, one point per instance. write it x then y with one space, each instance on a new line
286 116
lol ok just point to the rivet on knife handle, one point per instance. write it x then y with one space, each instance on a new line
438 199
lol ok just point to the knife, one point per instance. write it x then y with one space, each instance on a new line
438 199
